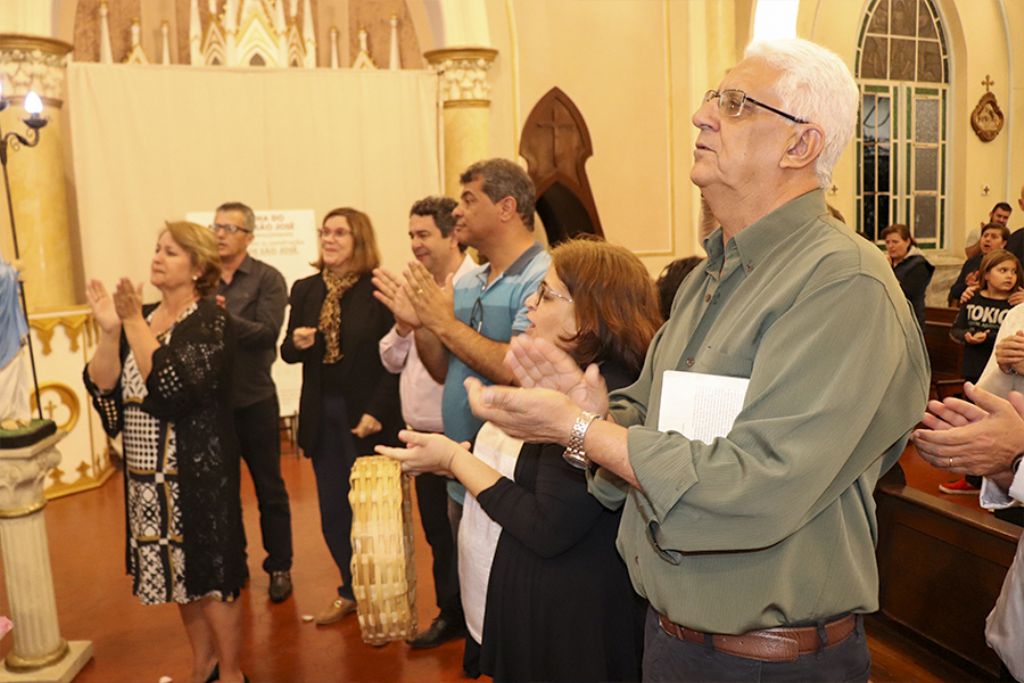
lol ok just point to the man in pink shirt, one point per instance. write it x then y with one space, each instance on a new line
433 242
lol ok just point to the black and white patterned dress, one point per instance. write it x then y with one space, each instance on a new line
156 555
184 538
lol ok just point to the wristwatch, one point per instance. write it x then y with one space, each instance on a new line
574 453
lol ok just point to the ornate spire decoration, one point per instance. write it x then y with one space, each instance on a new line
255 33
395 57
279 23
165 43
363 59
136 54
230 16
308 35
335 60
106 54
195 31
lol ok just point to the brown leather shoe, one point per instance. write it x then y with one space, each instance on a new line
336 611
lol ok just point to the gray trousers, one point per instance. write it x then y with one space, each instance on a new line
667 659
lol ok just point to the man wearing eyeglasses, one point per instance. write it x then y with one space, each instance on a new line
755 549
255 295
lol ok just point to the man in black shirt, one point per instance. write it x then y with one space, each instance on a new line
255 295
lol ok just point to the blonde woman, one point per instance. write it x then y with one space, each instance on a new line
160 376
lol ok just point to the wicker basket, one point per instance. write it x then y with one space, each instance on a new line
383 567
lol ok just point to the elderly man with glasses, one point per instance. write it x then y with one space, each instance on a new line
255 295
755 549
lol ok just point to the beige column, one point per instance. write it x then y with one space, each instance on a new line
37 174
465 93
39 654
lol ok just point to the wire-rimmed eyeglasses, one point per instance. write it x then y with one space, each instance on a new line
730 103
545 293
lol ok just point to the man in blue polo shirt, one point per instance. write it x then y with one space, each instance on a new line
464 331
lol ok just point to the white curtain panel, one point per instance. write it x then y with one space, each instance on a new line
151 143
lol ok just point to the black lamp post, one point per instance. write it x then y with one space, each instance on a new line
13 140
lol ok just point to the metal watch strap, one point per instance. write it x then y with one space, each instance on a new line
574 453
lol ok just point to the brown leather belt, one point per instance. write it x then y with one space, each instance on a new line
769 645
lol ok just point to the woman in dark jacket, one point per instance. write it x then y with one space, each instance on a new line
349 403
559 603
912 269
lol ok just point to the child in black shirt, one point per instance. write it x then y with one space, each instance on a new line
978 321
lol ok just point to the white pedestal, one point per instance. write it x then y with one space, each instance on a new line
38 647
64 671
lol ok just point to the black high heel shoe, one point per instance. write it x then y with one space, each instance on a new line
214 675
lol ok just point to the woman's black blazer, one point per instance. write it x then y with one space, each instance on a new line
366 386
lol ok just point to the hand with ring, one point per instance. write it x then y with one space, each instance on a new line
435 306
980 438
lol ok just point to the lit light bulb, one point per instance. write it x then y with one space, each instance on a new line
33 105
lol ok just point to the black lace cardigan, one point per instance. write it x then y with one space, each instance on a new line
189 386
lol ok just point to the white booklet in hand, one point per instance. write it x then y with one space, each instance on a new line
700 407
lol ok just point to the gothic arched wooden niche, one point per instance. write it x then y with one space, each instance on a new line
556 146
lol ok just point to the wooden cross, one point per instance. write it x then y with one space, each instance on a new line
988 82
554 126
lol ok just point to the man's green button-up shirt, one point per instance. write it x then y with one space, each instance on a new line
773 524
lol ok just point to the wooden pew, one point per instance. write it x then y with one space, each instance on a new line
944 354
941 567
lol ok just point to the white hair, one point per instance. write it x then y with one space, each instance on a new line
814 85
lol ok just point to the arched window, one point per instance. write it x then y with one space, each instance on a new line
903 74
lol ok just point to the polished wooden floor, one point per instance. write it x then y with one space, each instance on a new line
140 644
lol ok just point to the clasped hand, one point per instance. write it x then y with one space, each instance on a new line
434 305
980 438
553 390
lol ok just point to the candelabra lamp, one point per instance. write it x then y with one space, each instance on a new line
15 433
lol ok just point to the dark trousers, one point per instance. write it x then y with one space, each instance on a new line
258 438
432 501
669 659
333 457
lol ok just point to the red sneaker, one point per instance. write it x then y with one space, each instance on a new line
960 487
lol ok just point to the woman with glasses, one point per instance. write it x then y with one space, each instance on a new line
161 376
349 402
559 604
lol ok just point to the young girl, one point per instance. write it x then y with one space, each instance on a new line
977 325
979 319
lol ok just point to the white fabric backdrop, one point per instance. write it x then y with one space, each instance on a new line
151 143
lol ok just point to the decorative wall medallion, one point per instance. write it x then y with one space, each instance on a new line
987 118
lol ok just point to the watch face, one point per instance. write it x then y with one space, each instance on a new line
576 459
